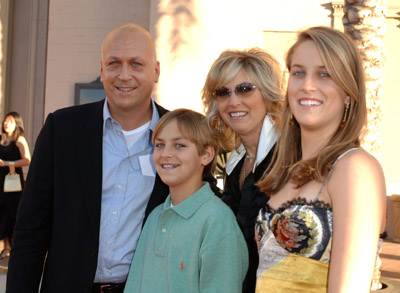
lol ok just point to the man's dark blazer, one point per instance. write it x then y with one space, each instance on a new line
59 213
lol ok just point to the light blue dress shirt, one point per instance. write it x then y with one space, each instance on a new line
128 180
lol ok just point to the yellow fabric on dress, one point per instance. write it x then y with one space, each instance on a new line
295 273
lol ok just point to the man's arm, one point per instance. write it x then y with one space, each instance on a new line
34 219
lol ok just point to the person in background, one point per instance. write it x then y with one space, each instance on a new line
242 96
320 229
192 242
92 182
14 154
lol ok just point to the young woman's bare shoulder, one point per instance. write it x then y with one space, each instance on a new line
356 160
356 173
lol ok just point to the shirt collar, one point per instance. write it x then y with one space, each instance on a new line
190 205
107 116
268 137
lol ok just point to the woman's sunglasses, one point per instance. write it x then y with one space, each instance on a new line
242 90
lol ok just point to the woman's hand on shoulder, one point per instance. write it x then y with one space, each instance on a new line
358 194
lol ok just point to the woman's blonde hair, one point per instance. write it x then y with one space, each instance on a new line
262 69
342 61
193 126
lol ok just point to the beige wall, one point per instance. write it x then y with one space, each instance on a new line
76 30
391 107
391 101
189 37
23 46
4 13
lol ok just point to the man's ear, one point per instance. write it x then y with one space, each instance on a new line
208 156
101 71
157 70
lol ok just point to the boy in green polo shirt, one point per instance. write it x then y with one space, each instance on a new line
192 242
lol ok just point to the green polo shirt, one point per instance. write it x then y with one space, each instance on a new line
195 246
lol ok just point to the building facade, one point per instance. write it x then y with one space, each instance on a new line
49 46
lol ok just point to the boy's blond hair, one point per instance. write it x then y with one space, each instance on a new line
194 127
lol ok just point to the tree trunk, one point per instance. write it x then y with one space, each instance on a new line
364 21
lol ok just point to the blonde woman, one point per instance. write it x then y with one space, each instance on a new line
242 97
320 229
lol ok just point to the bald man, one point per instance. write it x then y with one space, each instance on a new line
91 182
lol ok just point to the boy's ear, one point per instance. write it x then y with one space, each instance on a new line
208 155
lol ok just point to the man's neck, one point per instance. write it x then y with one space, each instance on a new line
132 119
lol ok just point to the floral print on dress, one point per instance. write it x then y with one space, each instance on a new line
300 227
287 233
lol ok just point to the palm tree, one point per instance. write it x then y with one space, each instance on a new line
364 21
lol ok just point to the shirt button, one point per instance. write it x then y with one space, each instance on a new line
164 230
114 213
119 186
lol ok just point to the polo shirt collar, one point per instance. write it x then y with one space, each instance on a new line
190 205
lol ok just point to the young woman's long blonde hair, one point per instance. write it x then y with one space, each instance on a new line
343 63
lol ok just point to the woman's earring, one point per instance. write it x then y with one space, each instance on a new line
291 122
221 126
346 111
